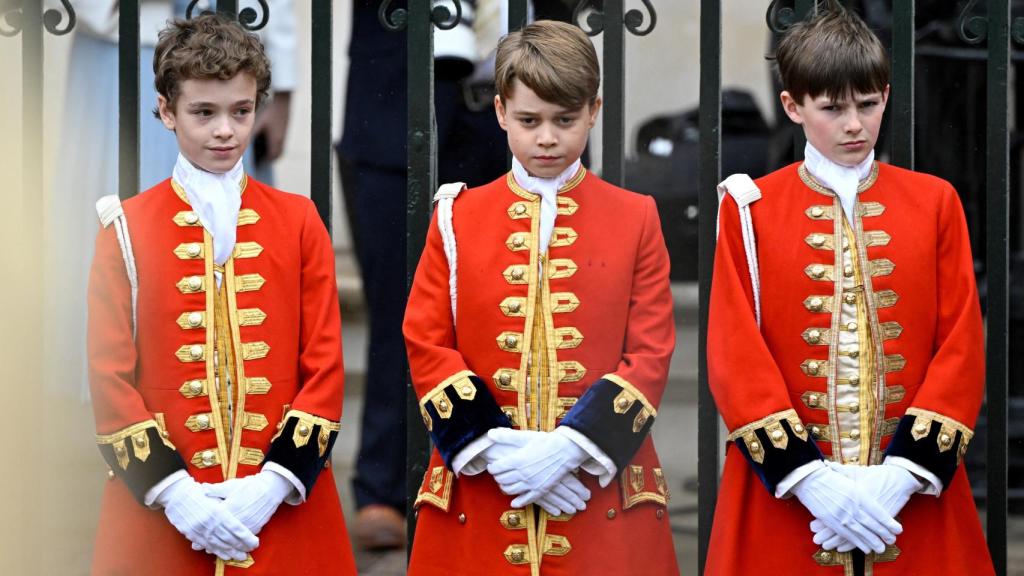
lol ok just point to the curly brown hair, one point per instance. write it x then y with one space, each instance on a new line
207 47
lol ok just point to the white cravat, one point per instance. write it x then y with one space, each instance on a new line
843 180
547 189
216 199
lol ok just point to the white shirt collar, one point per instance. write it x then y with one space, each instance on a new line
547 189
216 199
843 180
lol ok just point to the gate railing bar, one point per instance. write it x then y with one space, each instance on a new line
128 99
322 18
422 180
517 13
709 175
228 7
613 128
902 95
997 250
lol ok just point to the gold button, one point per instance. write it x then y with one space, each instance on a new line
517 555
193 250
920 428
164 434
826 557
195 319
945 439
611 513
852 326
850 298
855 407
518 241
812 400
203 421
623 403
817 212
854 380
818 240
195 283
641 419
799 428
813 367
207 457
511 341
855 353
817 304
755 446
517 273
659 514
814 336
848 270
442 407
462 518
195 386
514 306
303 430
509 414
513 519
777 435
815 431
505 379
817 271
191 217
140 441
467 389
520 209
195 351
855 434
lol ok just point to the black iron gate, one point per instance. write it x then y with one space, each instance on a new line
991 28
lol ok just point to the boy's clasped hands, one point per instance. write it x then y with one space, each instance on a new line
855 506
538 468
224 518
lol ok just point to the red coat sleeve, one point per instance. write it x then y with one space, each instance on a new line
618 410
748 386
311 426
129 437
456 405
939 423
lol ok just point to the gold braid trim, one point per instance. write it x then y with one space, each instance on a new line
139 441
947 432
304 429
629 387
772 425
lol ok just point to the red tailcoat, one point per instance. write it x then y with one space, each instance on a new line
154 397
909 283
599 300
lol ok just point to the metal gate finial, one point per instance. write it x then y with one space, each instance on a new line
52 18
632 19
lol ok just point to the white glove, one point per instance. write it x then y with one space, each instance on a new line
541 471
206 522
851 513
253 499
891 485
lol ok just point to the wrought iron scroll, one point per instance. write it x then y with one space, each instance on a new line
248 17
633 19
52 20
972 29
440 15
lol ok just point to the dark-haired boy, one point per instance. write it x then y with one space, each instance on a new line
844 343
215 343
539 330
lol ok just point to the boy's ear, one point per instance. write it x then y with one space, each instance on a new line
790 106
595 109
166 114
499 111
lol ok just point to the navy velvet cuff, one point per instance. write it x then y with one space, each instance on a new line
140 476
619 435
305 461
467 419
925 452
778 463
